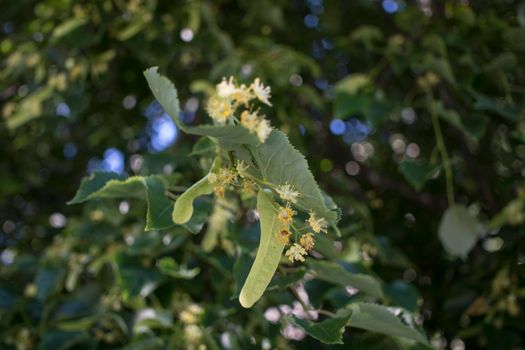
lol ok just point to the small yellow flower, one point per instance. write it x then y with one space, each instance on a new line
250 121
248 186
317 224
307 241
242 95
212 178
192 335
188 317
261 92
283 236
226 88
295 253
241 168
263 130
285 215
219 191
219 109
226 176
287 193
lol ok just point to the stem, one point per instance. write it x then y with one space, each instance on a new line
443 151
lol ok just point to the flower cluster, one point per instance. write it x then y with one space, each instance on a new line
224 178
285 217
229 97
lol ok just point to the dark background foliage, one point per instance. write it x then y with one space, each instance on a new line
357 86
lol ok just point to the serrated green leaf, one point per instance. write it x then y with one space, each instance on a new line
329 331
280 163
97 185
334 273
377 318
183 208
268 254
166 94
458 231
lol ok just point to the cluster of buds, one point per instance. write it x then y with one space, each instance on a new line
230 97
224 178
285 216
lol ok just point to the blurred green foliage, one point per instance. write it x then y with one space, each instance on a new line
403 109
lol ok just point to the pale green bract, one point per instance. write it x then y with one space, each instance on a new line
183 208
268 254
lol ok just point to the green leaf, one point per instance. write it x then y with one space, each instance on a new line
111 185
104 185
241 268
440 66
268 254
353 83
48 281
500 107
59 340
334 273
377 318
402 294
329 331
280 163
183 208
283 281
346 104
169 266
68 26
166 94
473 125
159 206
416 172
29 108
458 231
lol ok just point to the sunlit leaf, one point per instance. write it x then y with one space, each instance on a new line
334 273
377 318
